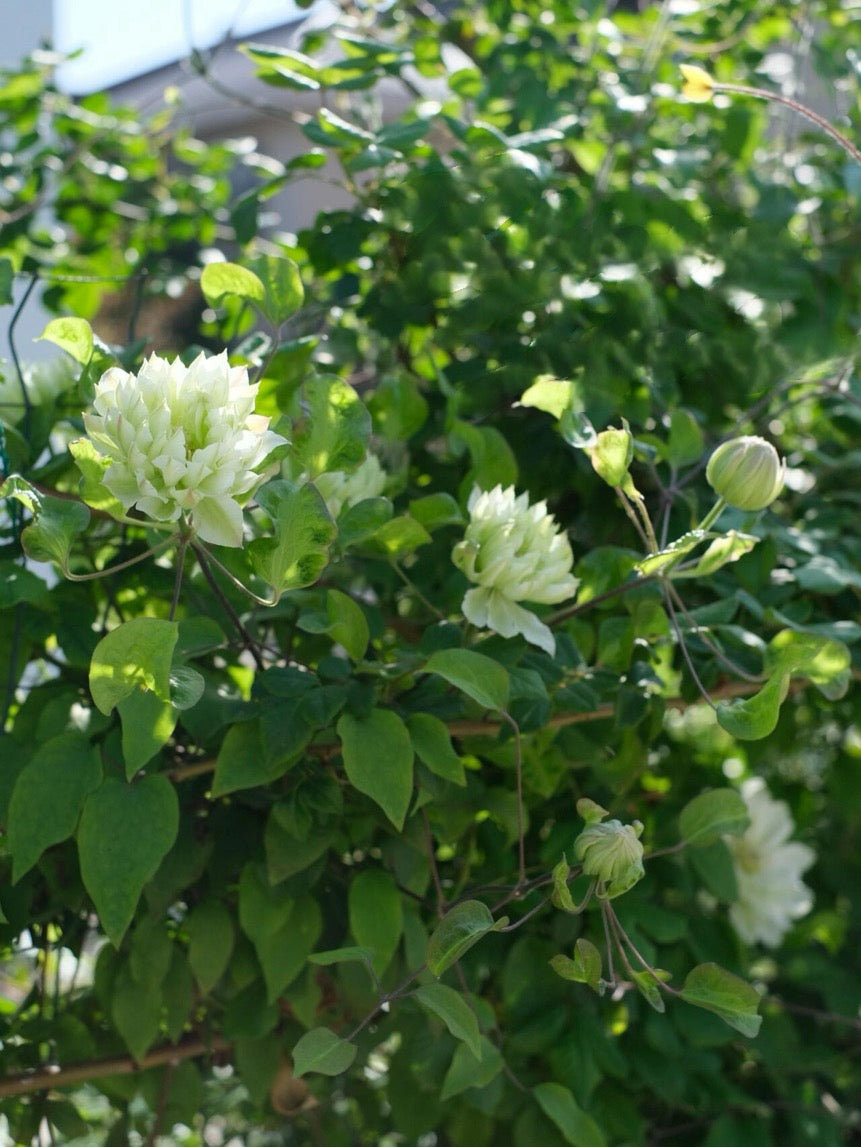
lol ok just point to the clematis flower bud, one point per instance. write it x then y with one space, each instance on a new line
746 472
610 851
513 552
182 440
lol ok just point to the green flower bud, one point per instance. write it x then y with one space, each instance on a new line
611 852
746 472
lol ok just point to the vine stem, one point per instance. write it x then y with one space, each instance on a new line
203 557
801 109
329 749
95 574
48 1078
518 765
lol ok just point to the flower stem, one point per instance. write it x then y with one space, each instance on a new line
121 565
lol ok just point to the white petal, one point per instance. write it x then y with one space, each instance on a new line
218 520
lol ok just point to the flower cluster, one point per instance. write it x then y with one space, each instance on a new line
182 441
513 552
768 868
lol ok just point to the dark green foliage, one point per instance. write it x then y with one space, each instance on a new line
323 831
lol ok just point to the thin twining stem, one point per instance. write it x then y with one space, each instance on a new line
623 936
674 620
704 637
162 545
203 558
200 548
801 109
518 766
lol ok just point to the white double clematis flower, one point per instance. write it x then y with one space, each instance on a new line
340 489
513 552
182 441
768 868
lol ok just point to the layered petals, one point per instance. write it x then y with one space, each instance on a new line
182 441
513 552
768 868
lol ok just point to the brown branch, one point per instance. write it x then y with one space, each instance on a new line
489 727
48 1078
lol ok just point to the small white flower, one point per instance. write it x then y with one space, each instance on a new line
340 489
768 868
182 441
513 552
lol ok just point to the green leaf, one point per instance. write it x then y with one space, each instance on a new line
399 537
135 1011
555 396
341 956
282 284
284 953
585 968
7 278
714 866
344 621
685 443
432 743
612 455
137 654
321 1050
465 1073
733 999
304 530
20 584
92 466
219 280
334 429
711 815
647 986
22 491
359 522
752 718
74 336
560 1107
241 761
150 952
48 797
436 510
50 537
455 1013
460 928
664 560
263 910
561 896
187 686
376 915
378 759
482 679
728 548
210 942
125 832
177 994
493 461
147 723
822 660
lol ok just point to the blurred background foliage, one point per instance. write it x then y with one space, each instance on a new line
547 204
